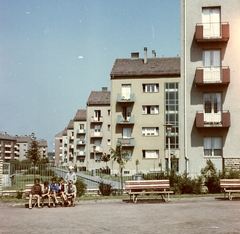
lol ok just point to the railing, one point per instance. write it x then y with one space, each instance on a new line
205 32
212 75
221 119
126 98
126 120
127 142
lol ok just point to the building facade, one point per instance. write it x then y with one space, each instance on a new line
98 128
144 97
210 36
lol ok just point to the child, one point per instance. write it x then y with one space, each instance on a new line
61 190
35 193
71 193
54 191
46 191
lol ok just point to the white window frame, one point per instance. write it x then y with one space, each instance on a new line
151 88
150 131
212 146
150 110
151 154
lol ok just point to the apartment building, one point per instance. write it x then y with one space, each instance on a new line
79 127
98 128
58 149
145 97
8 147
210 36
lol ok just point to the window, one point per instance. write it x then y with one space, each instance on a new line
150 153
126 132
211 22
126 91
109 112
212 107
212 65
97 115
109 127
81 126
212 146
108 142
150 110
97 128
172 113
150 88
150 131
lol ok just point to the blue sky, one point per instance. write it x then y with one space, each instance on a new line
54 53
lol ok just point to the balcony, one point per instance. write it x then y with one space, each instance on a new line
97 119
80 153
212 75
96 149
212 32
127 142
213 120
81 131
81 142
96 134
126 120
126 98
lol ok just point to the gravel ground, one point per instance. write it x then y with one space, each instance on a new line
180 215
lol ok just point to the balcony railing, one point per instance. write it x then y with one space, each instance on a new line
81 131
212 75
80 153
207 32
97 119
127 142
125 98
96 149
221 119
96 134
81 142
126 120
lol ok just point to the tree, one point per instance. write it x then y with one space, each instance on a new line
33 154
105 158
121 157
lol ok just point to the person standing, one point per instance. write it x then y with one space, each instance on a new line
71 175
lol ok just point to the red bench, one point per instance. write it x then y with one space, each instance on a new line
230 186
147 187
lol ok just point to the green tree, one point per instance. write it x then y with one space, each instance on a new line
33 154
105 158
121 157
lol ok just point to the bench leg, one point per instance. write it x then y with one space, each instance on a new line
230 196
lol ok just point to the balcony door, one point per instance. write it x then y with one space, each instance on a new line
126 91
211 22
212 108
212 66
127 133
126 113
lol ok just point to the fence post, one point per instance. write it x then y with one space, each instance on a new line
1 177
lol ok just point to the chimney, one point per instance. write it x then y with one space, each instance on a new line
104 89
134 55
153 54
145 54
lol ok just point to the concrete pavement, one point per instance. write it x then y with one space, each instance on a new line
180 215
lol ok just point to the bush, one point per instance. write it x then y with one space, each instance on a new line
211 178
105 189
81 187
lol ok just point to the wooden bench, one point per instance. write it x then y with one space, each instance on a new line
147 187
27 192
230 186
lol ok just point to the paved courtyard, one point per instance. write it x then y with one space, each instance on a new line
185 215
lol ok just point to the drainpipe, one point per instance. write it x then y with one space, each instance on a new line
185 84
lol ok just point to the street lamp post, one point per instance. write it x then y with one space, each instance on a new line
169 129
